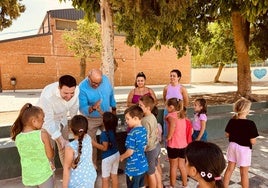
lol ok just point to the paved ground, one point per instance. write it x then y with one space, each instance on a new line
12 101
258 172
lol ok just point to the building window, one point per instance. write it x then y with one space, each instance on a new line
65 25
32 59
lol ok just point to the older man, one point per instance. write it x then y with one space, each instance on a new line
96 96
59 102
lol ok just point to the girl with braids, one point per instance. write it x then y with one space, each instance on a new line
205 163
200 119
176 140
110 154
78 168
35 150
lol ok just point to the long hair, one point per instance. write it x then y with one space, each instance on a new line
202 103
208 160
79 126
26 113
178 104
110 121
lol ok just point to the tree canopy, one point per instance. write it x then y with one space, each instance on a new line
9 11
153 23
84 42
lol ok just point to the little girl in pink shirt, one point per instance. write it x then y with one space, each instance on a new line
176 140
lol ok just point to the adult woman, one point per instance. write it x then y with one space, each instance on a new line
174 89
140 90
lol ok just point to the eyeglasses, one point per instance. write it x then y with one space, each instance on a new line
93 83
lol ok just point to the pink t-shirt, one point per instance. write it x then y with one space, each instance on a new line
196 122
178 139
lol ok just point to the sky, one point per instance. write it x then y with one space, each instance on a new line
30 21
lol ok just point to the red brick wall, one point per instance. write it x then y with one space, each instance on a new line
58 61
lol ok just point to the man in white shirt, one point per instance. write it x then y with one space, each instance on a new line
59 102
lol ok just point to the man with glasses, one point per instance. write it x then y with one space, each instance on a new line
59 102
96 96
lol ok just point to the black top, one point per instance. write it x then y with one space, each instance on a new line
241 131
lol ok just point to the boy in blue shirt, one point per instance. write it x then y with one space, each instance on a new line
136 141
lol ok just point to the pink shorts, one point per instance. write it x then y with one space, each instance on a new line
241 155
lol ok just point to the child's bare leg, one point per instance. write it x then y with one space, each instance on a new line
173 171
105 182
244 176
183 172
228 173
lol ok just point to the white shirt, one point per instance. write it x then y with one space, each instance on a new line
56 109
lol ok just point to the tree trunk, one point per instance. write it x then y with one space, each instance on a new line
82 68
241 41
216 79
107 33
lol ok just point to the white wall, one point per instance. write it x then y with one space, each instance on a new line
258 74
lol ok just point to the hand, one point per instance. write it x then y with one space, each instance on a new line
97 105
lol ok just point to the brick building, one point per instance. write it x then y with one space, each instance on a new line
40 59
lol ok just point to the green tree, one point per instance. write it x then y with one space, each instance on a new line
107 30
9 11
84 42
154 23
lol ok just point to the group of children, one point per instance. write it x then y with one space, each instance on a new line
187 147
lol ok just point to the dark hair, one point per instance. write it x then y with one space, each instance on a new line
27 111
110 121
79 126
148 101
177 72
140 74
134 111
67 80
178 104
208 160
155 111
202 103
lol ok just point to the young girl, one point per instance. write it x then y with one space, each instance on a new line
242 135
200 120
110 155
176 140
78 168
35 150
205 163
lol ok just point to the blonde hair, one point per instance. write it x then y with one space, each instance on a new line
242 105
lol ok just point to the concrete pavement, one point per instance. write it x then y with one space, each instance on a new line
13 101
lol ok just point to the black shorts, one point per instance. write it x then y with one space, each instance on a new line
174 153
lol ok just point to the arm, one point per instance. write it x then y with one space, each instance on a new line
49 123
253 141
129 98
103 146
202 130
165 93
153 95
171 127
185 96
127 154
227 135
67 165
48 147
83 103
